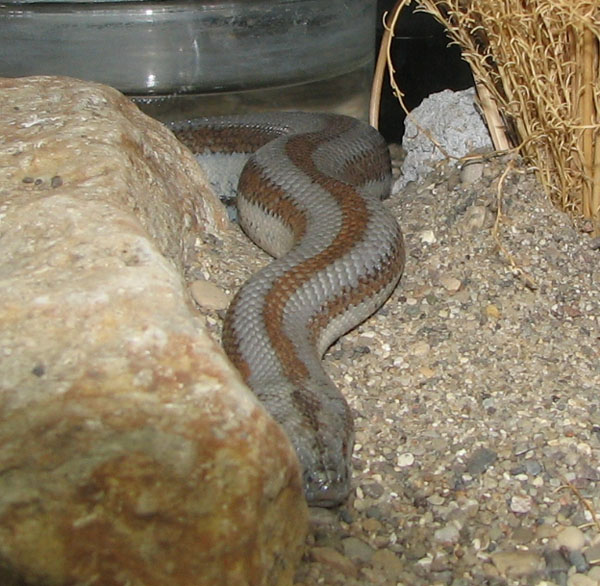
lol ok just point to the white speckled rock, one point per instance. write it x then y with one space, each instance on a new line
453 121
130 452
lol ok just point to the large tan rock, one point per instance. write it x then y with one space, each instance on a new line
130 451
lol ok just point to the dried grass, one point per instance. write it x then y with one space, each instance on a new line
537 69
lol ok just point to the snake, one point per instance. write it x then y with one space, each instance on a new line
309 193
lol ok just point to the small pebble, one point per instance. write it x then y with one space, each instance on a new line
520 503
448 534
471 172
594 573
492 311
556 562
371 525
523 535
373 490
421 349
517 563
436 499
209 295
38 370
451 284
334 559
578 560
480 461
475 218
581 580
592 555
532 467
572 538
346 516
428 237
357 550
406 459
388 562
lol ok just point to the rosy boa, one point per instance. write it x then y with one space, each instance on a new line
309 194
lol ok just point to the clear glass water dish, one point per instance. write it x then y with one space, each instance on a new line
182 55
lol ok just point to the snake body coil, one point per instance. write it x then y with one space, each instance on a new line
309 194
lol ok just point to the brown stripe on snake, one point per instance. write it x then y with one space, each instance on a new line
354 220
368 286
260 191
248 139
310 196
366 166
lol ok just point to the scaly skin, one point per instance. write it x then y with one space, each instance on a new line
309 194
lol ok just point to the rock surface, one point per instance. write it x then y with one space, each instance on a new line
130 452
452 120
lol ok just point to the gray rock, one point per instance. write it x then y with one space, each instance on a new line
453 121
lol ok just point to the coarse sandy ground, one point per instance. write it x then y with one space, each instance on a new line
475 392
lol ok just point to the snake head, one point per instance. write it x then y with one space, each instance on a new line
318 422
324 449
326 479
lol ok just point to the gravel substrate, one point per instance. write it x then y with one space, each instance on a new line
474 391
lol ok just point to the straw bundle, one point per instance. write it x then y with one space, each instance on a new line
537 68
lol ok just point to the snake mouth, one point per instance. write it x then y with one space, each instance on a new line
329 489
327 465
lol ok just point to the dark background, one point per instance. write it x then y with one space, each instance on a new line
425 63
